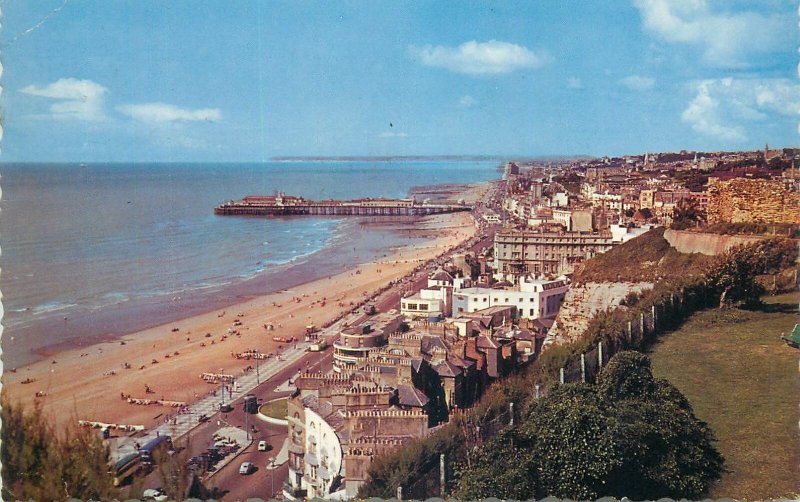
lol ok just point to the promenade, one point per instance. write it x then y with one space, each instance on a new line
180 424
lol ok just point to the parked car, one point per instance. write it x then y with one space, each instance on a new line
156 494
263 446
246 468
202 418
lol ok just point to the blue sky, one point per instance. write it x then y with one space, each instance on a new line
246 81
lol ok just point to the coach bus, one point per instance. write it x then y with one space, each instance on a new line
147 452
125 468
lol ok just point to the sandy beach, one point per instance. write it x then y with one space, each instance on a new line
87 382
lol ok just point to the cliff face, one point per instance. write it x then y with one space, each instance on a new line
583 302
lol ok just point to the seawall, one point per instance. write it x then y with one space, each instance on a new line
706 243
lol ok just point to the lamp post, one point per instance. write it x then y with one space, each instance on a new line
258 379
272 479
222 386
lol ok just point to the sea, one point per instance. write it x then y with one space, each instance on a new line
94 251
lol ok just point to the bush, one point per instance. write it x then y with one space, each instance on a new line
630 435
42 463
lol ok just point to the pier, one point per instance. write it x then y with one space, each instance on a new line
286 205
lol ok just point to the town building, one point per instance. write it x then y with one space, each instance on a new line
518 253
574 220
533 298
395 393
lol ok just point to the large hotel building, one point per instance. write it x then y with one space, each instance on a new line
518 253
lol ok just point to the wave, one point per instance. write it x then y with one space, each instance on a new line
46 308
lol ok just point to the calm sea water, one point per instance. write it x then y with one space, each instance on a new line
78 240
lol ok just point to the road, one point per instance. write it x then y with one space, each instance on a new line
240 487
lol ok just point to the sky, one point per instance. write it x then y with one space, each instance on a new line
180 81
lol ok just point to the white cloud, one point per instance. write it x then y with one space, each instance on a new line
391 134
574 83
638 83
467 101
77 99
480 58
722 108
725 38
165 113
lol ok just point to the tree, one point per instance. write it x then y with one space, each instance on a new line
685 215
573 452
503 467
630 435
662 445
42 463
733 277
173 471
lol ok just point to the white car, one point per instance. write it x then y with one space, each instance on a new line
262 445
246 468
156 494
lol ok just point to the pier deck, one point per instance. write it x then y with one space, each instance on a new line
281 205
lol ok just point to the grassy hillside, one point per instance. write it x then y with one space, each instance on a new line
647 258
742 379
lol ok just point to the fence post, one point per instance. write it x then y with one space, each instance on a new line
561 375
654 317
511 412
641 325
583 368
536 390
630 333
441 475
599 356
399 493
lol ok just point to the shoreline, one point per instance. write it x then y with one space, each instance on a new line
170 356
113 322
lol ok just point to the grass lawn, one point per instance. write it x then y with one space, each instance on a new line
275 409
742 379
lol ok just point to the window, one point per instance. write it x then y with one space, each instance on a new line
531 314
423 306
461 309
484 299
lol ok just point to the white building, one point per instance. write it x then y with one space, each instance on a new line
534 298
608 201
621 233
323 456
429 302
560 199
